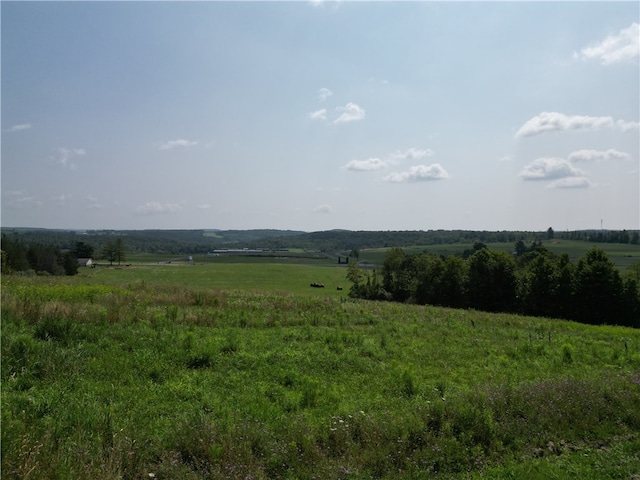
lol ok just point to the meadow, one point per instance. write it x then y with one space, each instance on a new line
241 370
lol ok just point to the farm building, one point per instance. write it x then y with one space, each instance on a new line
85 262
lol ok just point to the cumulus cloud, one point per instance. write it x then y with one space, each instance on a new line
324 208
376 163
366 165
571 182
157 208
549 168
418 173
596 155
350 113
554 121
628 126
319 114
324 93
621 47
180 143
19 128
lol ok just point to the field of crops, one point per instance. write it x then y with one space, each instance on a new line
243 370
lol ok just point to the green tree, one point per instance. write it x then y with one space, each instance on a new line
429 272
114 251
521 248
109 252
492 281
355 276
540 284
598 289
45 258
453 282
83 250
398 274
15 255
70 263
550 233
120 255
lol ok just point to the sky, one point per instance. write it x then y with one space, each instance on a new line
320 115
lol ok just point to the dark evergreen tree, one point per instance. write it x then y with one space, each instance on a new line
16 255
70 263
83 250
540 290
492 281
598 289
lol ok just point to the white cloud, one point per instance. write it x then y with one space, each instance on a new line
596 155
17 199
621 47
366 165
324 209
66 156
62 199
628 126
550 168
410 154
418 173
203 206
157 208
322 3
319 114
350 113
571 182
18 128
324 93
554 121
376 163
92 202
180 143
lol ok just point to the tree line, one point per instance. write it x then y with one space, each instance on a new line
605 236
533 282
19 256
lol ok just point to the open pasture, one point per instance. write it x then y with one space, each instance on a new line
251 275
244 371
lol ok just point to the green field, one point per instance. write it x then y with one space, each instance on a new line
248 275
224 370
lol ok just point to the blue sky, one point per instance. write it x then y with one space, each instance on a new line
321 115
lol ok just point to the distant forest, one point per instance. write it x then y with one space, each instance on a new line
203 241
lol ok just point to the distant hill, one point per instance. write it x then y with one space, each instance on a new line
203 241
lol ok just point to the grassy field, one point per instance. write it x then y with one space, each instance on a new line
244 371
621 255
253 275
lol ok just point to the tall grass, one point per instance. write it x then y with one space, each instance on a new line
167 381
